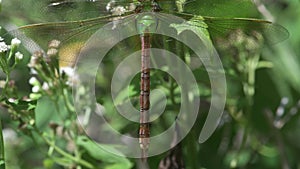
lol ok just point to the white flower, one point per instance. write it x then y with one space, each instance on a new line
110 5
12 100
15 42
3 47
33 81
119 10
52 52
19 56
35 60
54 44
45 86
1 39
68 71
35 89
73 78
32 71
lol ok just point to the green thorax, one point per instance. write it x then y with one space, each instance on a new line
146 23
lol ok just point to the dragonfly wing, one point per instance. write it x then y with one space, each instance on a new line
33 11
71 35
220 27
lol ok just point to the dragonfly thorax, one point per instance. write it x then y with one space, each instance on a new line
146 23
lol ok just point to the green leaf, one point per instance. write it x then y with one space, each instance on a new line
60 161
197 26
48 110
21 105
105 153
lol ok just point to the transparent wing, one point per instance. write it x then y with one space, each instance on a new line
71 35
220 8
33 11
220 27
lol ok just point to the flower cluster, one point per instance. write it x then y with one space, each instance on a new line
3 46
9 56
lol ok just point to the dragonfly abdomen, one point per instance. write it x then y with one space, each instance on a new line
144 130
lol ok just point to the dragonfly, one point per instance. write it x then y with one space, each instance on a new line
76 31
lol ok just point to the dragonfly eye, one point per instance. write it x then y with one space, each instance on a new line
156 7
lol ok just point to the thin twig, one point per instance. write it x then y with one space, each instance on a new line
263 10
279 141
2 157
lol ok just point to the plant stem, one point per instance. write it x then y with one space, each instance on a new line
2 155
65 154
279 141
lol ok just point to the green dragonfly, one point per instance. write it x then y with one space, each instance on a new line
72 35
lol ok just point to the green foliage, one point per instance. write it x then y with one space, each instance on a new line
97 152
44 115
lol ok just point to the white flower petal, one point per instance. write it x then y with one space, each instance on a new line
19 55
35 89
15 42
3 47
33 81
12 100
119 10
45 86
68 71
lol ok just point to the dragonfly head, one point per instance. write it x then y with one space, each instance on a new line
155 6
147 6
